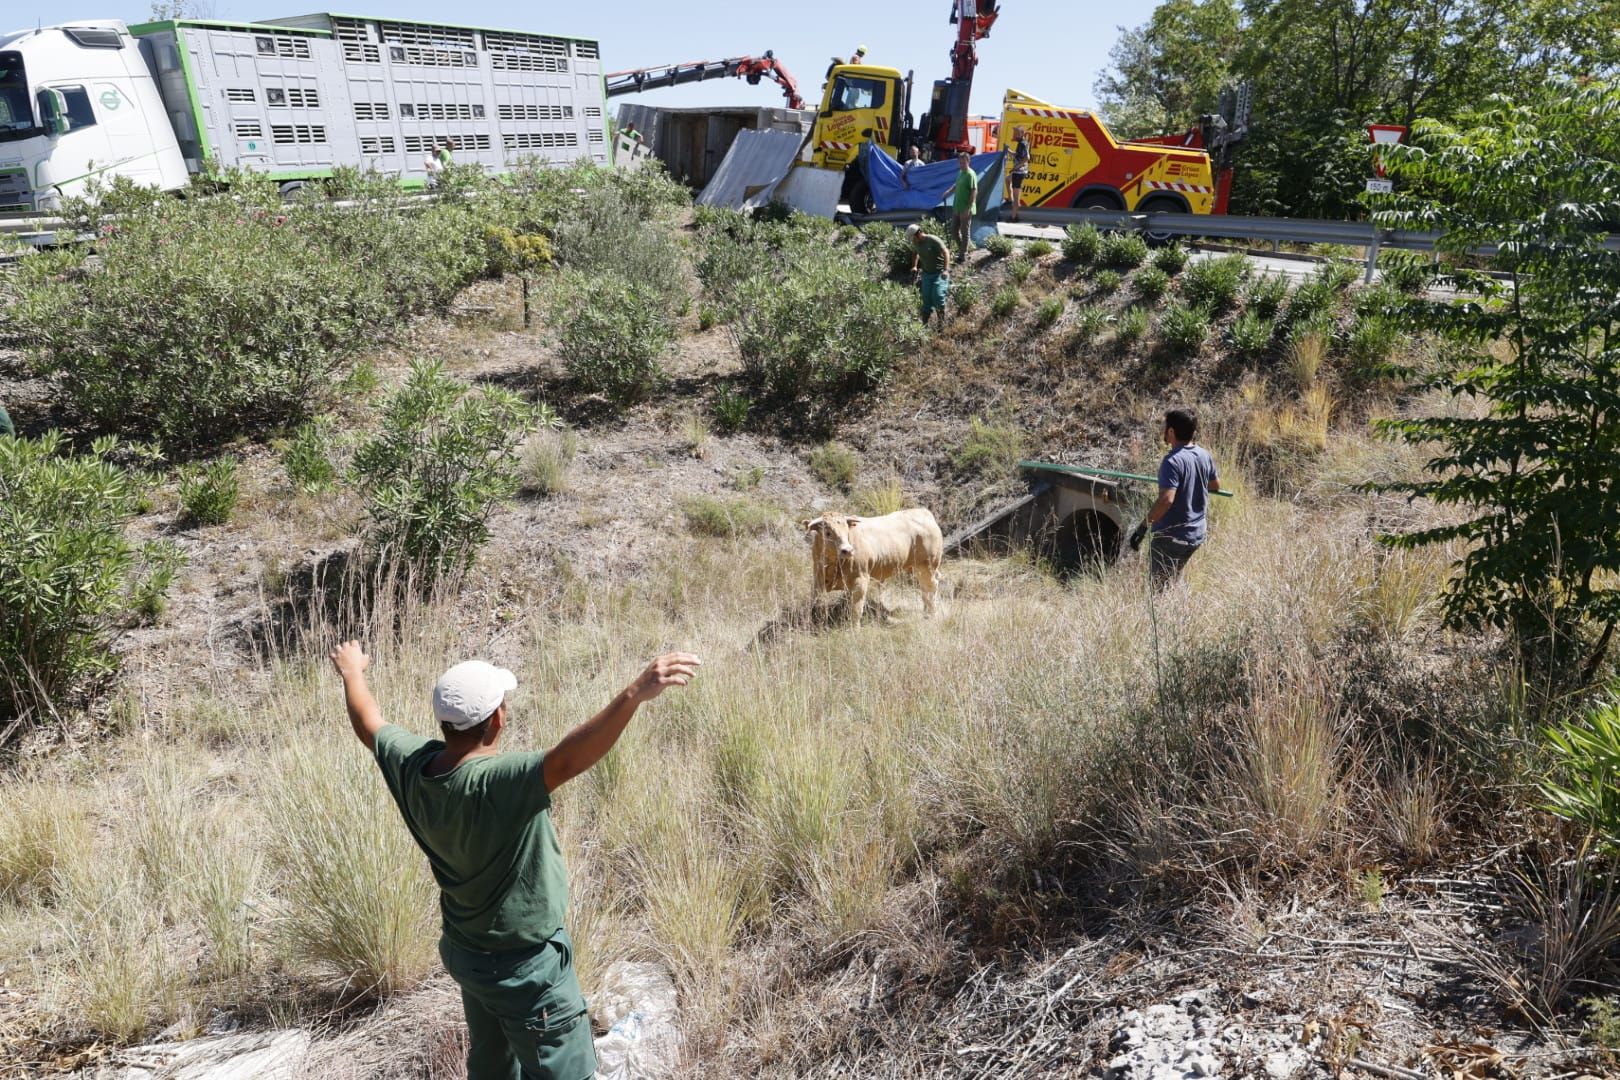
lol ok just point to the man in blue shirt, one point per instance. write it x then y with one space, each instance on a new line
1186 480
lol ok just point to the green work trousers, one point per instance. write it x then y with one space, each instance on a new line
526 1017
934 288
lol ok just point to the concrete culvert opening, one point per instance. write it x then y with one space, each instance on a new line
1085 540
1070 519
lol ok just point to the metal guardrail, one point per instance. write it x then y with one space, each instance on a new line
1267 230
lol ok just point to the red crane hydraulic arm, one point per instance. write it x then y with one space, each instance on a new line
946 124
752 68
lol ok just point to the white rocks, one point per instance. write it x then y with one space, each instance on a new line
1188 1038
265 1055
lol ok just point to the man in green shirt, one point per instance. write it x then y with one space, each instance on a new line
6 426
933 258
962 200
483 820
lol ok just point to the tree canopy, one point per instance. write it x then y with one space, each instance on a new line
1322 70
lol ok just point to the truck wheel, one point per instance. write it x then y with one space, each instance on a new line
1097 200
290 189
856 193
1159 205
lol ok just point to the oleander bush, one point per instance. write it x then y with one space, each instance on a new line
1081 244
612 331
1183 329
444 456
1215 284
209 491
70 576
1122 251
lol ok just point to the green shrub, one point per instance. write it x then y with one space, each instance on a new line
823 331
1049 312
1338 275
161 561
1409 272
1089 323
1151 284
1312 302
1081 244
835 465
208 319
728 518
1183 329
613 229
1123 251
1267 294
69 576
1006 301
612 332
305 459
1038 249
1172 259
1382 299
208 493
731 407
1215 284
1020 268
707 318
443 457
1107 282
1586 759
964 295
989 449
1250 334
1372 340
1131 326
999 246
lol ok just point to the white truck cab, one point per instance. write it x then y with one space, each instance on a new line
78 102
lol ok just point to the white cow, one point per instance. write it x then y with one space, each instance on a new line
852 552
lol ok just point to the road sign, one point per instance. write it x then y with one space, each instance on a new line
1384 134
1380 187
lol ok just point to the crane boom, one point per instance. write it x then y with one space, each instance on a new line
751 68
945 127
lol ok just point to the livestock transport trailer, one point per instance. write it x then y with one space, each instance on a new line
294 98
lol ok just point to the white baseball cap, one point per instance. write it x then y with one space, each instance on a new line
467 694
912 231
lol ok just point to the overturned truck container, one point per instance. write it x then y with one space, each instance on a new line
1070 518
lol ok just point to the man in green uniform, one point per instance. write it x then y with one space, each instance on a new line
962 200
6 426
933 258
482 818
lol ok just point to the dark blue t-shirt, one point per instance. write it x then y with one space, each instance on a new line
1190 470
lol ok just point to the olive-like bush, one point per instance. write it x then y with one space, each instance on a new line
1081 243
1172 259
822 332
70 577
1215 284
442 459
1122 251
1183 329
1151 283
612 331
208 492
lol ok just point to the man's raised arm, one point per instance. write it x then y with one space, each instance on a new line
589 742
365 714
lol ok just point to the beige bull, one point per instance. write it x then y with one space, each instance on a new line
852 552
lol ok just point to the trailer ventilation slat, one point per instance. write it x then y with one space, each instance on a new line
526 62
291 97
377 144
361 54
593 112
539 140
238 94
442 111
506 41
248 129
426 34
421 144
410 54
294 134
587 50
350 30
371 110
295 48
535 112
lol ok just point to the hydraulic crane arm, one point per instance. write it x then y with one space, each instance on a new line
945 126
752 68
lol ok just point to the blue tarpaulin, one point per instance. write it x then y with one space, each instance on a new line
925 186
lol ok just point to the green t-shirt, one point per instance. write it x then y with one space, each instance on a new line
931 254
967 186
6 426
486 828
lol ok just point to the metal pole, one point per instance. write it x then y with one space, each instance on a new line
1372 261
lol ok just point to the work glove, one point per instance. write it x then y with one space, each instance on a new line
1137 534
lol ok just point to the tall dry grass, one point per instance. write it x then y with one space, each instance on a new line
1190 739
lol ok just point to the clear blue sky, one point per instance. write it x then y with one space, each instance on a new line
1051 49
